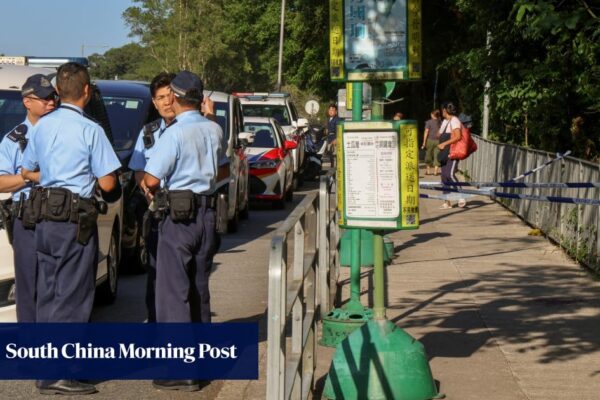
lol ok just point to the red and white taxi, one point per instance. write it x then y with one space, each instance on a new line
270 160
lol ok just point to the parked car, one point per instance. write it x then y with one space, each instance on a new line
233 172
129 106
270 159
12 113
280 107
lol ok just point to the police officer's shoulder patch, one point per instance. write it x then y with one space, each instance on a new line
18 133
152 127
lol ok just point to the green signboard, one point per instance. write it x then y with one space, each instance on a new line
375 40
378 175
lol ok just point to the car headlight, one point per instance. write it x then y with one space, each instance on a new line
265 164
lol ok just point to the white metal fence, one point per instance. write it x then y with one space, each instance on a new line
575 227
300 284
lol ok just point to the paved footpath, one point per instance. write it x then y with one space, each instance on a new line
502 315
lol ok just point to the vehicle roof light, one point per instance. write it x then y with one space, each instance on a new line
13 60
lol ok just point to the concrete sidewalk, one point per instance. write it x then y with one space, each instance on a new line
502 315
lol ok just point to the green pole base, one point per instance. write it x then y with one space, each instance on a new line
366 249
380 361
339 323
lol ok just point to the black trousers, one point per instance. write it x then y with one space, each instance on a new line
151 243
185 253
66 273
26 266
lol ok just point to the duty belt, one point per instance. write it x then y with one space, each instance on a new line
207 201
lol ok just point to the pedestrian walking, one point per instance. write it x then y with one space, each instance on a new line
72 154
39 98
431 141
451 133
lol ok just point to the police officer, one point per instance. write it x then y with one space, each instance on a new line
72 153
161 98
39 97
187 160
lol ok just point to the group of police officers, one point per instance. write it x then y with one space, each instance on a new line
58 160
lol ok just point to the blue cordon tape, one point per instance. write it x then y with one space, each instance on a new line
494 194
544 165
560 185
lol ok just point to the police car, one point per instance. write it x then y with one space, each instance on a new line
13 113
280 107
232 182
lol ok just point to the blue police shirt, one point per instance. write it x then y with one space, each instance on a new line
11 157
141 154
70 150
187 155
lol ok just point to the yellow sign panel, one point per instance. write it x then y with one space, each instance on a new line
336 39
348 95
414 39
339 163
409 175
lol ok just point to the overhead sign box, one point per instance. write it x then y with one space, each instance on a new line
375 40
378 175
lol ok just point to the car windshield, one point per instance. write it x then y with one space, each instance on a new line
221 110
12 111
264 136
278 112
127 116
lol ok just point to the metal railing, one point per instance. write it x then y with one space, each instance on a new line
575 227
299 286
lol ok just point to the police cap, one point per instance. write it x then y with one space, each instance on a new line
38 85
187 85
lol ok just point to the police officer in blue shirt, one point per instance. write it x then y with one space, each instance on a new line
187 160
39 97
72 154
161 98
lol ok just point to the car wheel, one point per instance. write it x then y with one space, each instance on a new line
289 194
233 224
107 292
135 260
244 214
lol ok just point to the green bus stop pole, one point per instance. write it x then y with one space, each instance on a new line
378 273
355 255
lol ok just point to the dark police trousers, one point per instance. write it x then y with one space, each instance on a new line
151 244
185 252
25 260
66 273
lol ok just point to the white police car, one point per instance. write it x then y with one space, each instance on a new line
280 107
233 168
13 113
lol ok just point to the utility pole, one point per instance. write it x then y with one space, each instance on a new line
281 31
486 96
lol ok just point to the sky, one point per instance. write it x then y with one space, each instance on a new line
60 28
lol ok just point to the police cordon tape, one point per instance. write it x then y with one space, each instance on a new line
539 167
493 195
509 184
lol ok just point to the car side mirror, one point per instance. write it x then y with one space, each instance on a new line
294 124
246 138
290 145
302 123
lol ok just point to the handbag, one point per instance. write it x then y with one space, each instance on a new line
464 147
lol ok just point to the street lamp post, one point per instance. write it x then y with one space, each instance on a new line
281 31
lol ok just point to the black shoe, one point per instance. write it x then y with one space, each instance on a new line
67 386
186 385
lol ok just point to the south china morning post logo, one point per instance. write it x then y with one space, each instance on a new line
69 351
129 351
